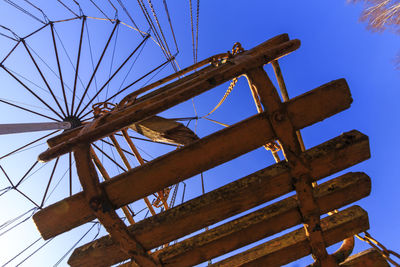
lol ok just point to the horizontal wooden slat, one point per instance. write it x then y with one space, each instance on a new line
265 222
294 245
370 257
199 156
238 196
175 95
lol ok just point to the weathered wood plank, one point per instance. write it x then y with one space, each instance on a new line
160 129
238 196
366 258
181 164
115 121
294 245
265 222
279 39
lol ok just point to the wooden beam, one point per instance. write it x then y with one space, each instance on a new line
236 197
122 118
369 257
101 208
292 246
279 39
160 129
302 180
199 156
265 222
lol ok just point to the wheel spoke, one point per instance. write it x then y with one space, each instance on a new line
30 90
43 78
59 67
77 63
105 154
115 73
28 144
48 184
138 80
96 68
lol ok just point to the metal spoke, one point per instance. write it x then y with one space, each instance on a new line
38 30
115 73
148 140
48 184
8 178
70 173
28 198
41 75
138 80
96 68
28 144
26 174
30 90
59 67
77 63
9 53
111 144
105 154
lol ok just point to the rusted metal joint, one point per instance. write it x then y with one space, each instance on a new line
100 203
279 116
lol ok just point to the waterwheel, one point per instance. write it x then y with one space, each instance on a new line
101 136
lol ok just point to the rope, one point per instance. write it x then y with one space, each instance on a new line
129 16
237 48
170 24
386 253
41 11
197 27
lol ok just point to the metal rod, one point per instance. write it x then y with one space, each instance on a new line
113 75
96 68
120 152
48 184
257 102
106 176
28 144
30 90
34 112
105 154
43 78
141 161
59 67
77 64
33 127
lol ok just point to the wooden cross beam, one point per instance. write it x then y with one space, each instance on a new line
292 246
171 95
237 233
199 156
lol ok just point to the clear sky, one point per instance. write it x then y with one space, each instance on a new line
334 44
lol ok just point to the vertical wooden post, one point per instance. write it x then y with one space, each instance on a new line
302 181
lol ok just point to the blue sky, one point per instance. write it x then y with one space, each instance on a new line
334 44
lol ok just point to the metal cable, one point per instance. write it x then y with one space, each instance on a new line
24 11
69 9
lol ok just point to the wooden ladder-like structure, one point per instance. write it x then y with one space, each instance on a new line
277 120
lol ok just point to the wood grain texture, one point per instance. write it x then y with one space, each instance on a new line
238 196
181 164
292 246
119 119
